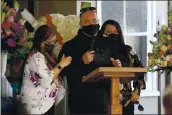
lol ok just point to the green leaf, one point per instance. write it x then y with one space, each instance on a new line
16 5
153 43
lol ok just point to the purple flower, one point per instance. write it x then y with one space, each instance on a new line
17 27
171 31
170 50
53 93
11 42
13 34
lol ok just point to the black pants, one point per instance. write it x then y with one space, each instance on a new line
129 110
90 103
98 108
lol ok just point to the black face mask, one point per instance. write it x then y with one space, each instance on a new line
49 48
115 37
91 29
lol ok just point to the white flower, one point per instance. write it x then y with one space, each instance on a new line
67 26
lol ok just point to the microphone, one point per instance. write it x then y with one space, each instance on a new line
92 43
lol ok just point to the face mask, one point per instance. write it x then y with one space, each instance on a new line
91 29
115 37
49 48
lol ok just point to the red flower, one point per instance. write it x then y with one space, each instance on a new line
6 25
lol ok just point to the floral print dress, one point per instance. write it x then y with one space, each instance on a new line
37 93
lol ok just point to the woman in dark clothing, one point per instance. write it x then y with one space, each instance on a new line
112 30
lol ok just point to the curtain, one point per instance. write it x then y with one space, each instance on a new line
6 90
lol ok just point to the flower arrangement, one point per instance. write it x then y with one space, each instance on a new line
161 56
14 36
17 41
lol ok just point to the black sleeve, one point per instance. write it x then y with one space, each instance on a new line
77 65
67 70
121 52
140 76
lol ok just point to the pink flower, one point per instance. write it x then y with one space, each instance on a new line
11 42
8 32
13 11
10 18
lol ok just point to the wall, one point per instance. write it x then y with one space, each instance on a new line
23 3
46 6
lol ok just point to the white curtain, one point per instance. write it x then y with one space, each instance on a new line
6 90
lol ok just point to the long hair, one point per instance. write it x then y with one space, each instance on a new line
118 27
121 47
42 34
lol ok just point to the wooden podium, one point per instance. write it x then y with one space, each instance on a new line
113 73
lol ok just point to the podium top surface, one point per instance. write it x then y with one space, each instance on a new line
113 72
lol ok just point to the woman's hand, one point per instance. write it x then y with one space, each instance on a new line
65 61
116 63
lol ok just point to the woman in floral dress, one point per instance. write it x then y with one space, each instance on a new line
40 85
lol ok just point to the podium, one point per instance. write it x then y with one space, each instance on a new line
113 73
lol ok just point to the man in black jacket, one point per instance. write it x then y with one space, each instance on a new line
85 98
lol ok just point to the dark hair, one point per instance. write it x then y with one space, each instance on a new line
121 46
42 34
118 27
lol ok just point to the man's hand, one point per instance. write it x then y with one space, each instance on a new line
116 63
88 57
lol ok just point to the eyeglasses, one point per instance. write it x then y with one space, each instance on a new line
51 42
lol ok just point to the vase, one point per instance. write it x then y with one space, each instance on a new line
6 90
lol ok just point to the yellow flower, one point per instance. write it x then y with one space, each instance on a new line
168 37
42 20
150 62
163 48
164 28
163 63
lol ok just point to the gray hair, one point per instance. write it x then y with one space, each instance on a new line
167 99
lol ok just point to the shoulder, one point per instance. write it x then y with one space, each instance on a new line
130 49
35 54
71 42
